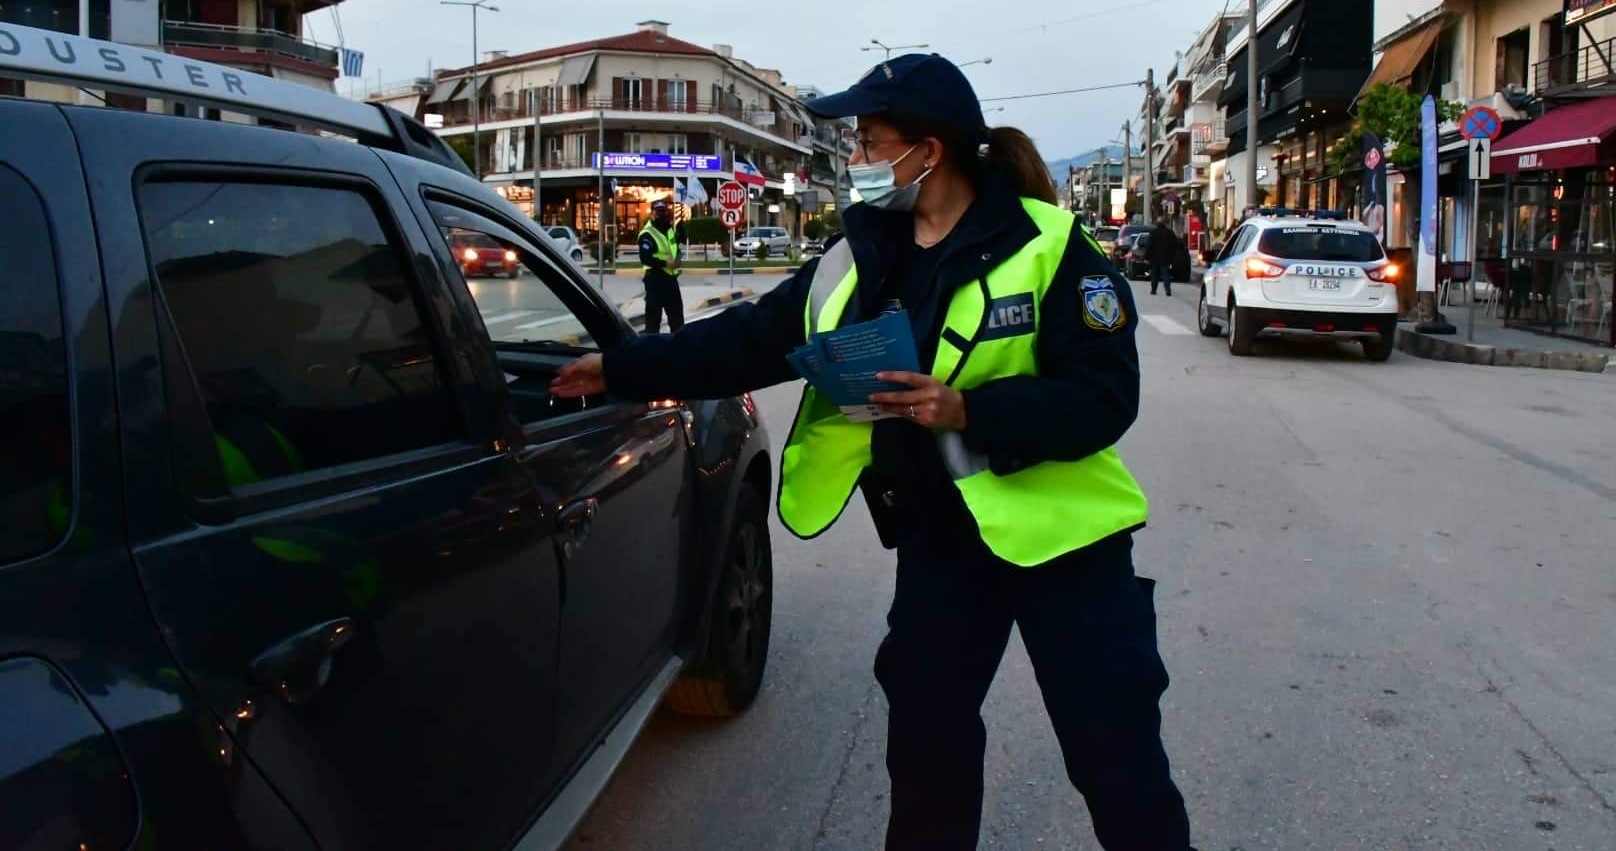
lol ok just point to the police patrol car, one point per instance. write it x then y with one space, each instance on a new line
1301 274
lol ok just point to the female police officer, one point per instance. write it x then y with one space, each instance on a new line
997 482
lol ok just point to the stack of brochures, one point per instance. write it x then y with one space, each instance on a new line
842 364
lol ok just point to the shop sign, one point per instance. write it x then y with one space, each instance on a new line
1528 162
1583 11
660 162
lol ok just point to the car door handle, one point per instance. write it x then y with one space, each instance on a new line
576 519
298 666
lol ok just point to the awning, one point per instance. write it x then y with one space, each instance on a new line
1572 136
1402 58
575 70
445 92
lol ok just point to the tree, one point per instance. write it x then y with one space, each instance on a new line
816 229
705 230
1392 113
462 146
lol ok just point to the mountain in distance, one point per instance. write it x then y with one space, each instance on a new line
1057 168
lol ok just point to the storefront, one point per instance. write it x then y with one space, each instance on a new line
633 181
1555 222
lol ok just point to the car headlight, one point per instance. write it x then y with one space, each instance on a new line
470 255
510 257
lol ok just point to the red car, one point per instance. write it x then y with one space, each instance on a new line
481 257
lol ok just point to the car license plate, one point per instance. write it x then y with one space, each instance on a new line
1324 283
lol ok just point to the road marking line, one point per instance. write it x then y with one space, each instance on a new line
1166 324
565 317
505 317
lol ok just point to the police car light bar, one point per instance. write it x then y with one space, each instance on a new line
54 57
1286 212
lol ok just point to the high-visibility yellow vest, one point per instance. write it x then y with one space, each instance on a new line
1026 518
666 249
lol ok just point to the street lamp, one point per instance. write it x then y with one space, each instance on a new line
476 127
877 45
983 61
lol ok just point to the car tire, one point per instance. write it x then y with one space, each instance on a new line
515 273
738 631
1242 330
1203 317
1379 349
577 255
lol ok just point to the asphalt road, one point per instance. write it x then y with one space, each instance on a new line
1387 601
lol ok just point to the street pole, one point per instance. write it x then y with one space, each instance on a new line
1127 166
476 118
1251 105
538 164
600 195
1475 219
1150 146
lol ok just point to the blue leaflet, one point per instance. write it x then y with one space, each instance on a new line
841 364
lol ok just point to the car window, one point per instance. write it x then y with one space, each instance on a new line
538 320
36 437
560 233
528 306
302 330
1231 245
1320 243
1106 234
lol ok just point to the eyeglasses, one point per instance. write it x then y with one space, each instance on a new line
865 144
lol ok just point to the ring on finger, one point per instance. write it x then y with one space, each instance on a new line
911 412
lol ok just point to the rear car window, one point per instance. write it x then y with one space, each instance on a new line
1106 234
305 338
36 440
1321 243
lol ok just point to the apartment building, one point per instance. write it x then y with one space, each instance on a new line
262 36
658 108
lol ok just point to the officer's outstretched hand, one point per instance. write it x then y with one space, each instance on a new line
932 403
585 376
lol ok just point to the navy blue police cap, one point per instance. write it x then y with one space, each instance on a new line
924 86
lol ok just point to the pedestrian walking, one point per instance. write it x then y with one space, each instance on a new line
1161 253
659 256
997 479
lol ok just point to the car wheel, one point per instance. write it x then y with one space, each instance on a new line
1203 317
515 273
1242 330
738 634
1379 349
577 255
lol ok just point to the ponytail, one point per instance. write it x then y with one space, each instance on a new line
1016 154
1008 154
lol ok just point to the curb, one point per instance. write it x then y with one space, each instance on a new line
1437 348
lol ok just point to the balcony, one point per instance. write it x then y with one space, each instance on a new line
1590 70
1209 82
457 114
183 34
1218 142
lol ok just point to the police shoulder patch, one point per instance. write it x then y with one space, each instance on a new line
1102 307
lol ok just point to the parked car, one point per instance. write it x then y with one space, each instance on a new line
1135 260
1106 236
1125 236
813 247
570 245
775 240
1307 275
298 551
480 256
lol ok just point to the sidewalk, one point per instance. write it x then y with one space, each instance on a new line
1494 345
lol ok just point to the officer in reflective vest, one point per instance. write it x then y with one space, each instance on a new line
994 473
659 256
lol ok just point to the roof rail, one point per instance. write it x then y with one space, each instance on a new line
56 57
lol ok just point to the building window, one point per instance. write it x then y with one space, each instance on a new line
278 18
1513 52
677 100
631 93
576 154
12 88
678 143
634 143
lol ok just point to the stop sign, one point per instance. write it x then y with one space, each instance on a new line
731 195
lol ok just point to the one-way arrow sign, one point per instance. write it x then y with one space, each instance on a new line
1481 158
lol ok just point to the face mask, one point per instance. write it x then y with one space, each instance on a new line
876 184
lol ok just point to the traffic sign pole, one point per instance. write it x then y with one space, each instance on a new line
1479 125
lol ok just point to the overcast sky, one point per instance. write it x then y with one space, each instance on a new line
1036 45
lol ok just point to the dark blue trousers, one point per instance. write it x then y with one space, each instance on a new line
1161 274
1089 626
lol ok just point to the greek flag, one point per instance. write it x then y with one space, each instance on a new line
353 63
695 191
679 191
